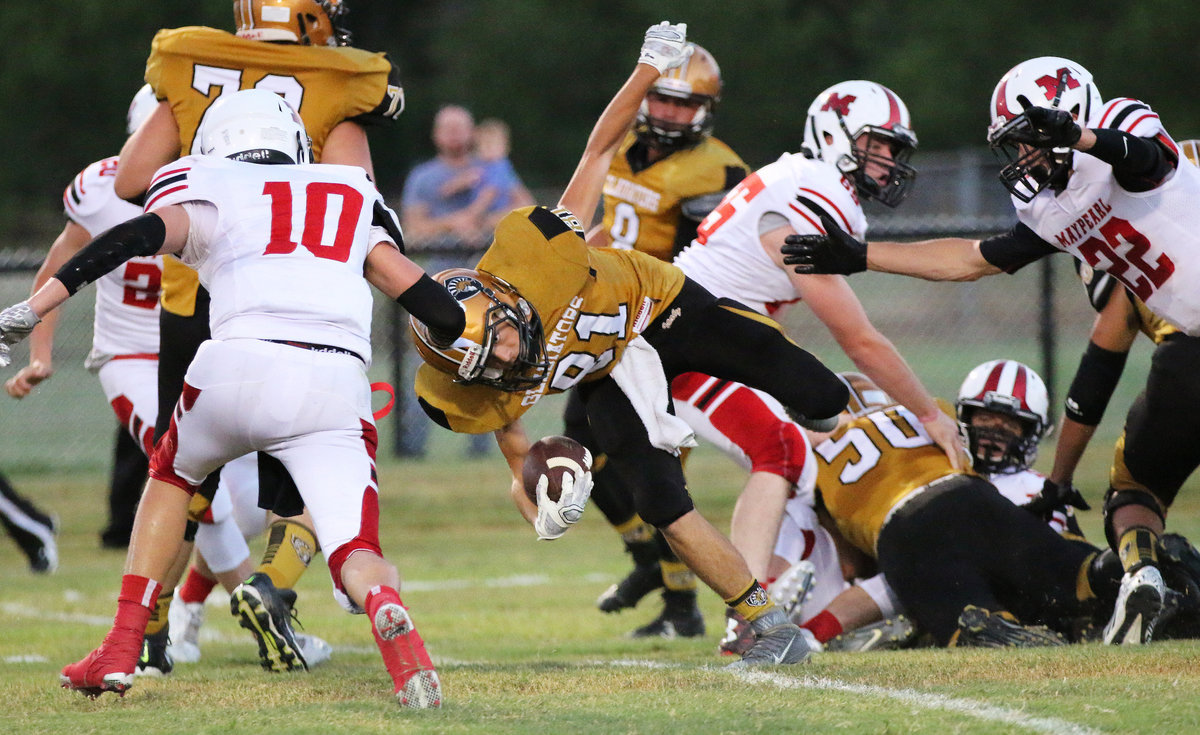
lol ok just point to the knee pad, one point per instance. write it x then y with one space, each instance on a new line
1115 499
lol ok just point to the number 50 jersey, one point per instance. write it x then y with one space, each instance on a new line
282 248
869 465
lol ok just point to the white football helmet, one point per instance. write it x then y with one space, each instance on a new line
1013 389
849 110
1047 81
140 107
256 126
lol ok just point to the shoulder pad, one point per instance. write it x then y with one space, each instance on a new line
1130 116
697 208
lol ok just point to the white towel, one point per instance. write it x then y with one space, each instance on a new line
639 373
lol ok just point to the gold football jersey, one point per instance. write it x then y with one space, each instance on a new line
869 464
1152 325
642 210
591 301
190 67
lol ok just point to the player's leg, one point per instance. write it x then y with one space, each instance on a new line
131 388
335 470
662 500
32 529
615 502
1159 449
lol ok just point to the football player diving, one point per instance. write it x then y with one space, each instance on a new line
547 313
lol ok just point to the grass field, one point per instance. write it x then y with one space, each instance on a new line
521 648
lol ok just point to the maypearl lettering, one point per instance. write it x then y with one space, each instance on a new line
1086 222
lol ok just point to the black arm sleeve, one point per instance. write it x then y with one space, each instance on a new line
1095 380
430 303
1015 249
142 235
1139 164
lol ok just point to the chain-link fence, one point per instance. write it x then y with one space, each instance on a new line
1039 316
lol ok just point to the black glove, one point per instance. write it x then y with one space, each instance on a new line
834 252
1055 497
1048 128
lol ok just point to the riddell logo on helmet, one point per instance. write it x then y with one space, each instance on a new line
838 103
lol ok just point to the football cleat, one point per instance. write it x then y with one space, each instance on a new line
184 621
680 618
109 668
739 635
885 635
779 645
792 587
981 628
261 609
404 654
155 660
644 579
316 650
1139 602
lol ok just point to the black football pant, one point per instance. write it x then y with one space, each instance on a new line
963 543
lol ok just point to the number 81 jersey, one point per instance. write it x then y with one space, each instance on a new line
282 249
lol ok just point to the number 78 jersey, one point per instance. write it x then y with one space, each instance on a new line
282 248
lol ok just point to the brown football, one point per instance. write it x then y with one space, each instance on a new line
553 456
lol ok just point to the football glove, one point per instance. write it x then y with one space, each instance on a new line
1046 127
665 46
16 322
1055 497
554 517
834 252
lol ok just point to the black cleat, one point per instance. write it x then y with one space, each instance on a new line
644 579
261 609
981 628
680 618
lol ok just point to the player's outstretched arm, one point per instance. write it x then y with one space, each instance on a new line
664 47
514 445
836 251
41 341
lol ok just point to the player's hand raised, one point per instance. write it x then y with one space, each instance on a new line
1046 127
665 46
836 251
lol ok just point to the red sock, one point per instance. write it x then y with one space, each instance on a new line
824 626
196 587
135 605
378 595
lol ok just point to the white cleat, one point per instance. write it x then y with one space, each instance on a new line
792 587
185 620
315 650
1139 602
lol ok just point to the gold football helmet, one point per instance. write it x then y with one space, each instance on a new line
698 79
307 22
1191 149
865 396
490 303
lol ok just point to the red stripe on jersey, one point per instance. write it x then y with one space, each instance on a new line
150 204
1166 140
686 385
1149 115
834 207
136 356
775 306
808 219
168 173
1112 107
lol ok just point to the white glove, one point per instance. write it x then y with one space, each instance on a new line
665 46
554 517
16 322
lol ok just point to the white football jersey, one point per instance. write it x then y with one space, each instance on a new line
1150 240
1021 487
727 257
282 248
126 320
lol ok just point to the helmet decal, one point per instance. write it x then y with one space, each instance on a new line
838 103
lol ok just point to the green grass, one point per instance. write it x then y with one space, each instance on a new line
521 648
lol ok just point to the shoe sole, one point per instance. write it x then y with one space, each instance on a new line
274 652
115 683
1131 624
790 590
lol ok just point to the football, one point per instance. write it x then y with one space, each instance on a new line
553 456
